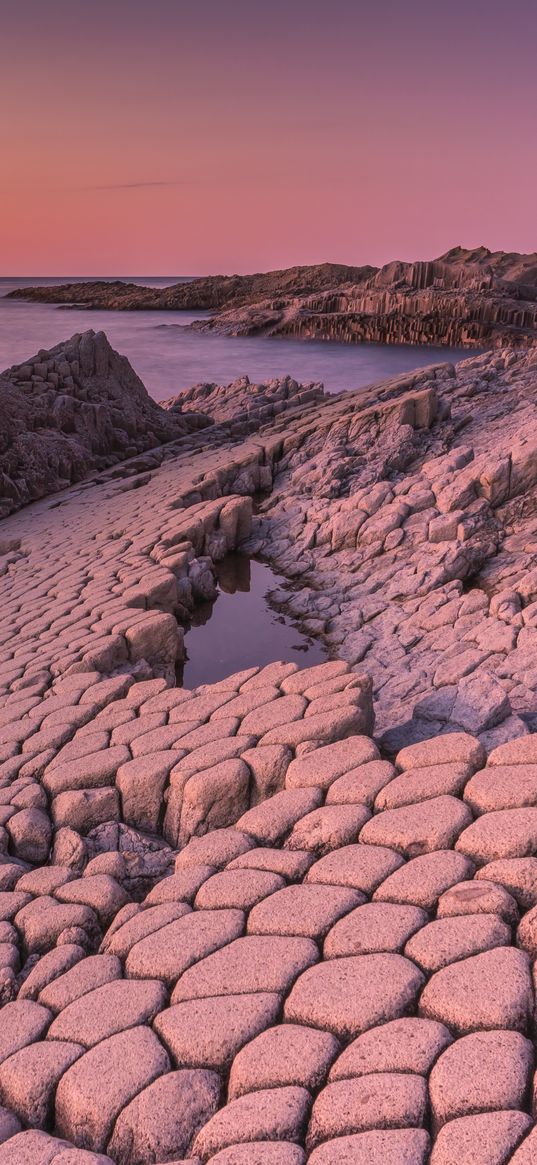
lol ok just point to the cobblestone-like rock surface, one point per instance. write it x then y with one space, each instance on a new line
235 926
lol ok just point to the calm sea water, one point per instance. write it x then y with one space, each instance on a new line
241 629
168 358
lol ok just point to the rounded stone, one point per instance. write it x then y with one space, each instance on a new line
505 833
162 1121
349 995
378 1147
308 910
482 1071
208 1033
449 939
362 867
402 1045
28 1079
92 1093
422 880
419 829
384 1100
274 1114
253 963
491 990
373 927
478 897
284 1055
488 1138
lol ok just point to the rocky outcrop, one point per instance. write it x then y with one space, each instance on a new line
408 516
71 411
465 298
243 403
207 294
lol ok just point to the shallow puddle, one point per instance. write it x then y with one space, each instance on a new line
240 629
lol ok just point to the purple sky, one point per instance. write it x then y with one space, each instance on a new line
159 136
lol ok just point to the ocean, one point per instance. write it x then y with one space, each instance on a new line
169 358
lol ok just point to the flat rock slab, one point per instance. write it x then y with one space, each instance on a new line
401 1045
418 829
485 1071
97 1087
489 1138
381 1147
274 1114
490 990
349 995
383 1100
210 1032
255 963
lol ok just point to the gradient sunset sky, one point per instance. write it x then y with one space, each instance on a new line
167 137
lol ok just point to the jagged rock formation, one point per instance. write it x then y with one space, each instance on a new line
234 927
70 411
244 404
464 298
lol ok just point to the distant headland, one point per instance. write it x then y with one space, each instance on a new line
465 298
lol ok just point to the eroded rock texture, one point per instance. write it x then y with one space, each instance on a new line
70 411
465 298
241 924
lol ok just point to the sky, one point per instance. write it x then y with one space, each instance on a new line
166 137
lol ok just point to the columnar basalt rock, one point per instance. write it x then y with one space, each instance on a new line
270 1003
235 925
463 298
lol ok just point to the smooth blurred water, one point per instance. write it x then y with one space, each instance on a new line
240 629
169 358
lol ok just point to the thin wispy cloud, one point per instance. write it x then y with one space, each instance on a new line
127 185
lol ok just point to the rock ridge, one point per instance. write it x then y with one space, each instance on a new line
466 298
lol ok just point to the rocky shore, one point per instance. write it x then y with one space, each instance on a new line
470 299
290 916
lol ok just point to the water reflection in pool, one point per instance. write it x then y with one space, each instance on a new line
240 629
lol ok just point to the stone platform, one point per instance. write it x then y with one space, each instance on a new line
243 924
335 964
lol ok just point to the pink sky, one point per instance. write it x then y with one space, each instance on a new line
169 137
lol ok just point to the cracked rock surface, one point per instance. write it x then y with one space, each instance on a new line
241 924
